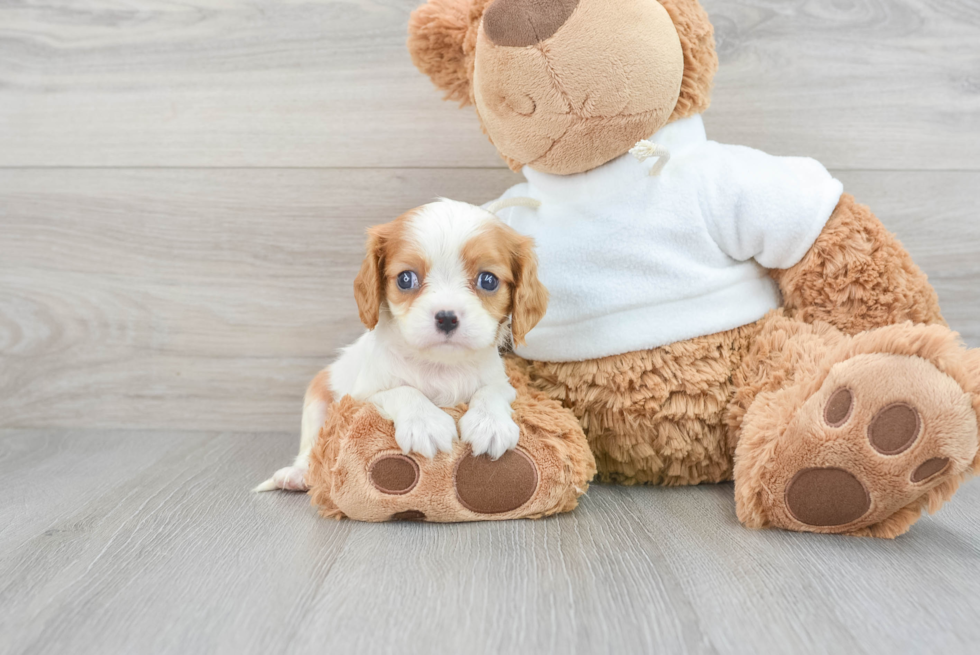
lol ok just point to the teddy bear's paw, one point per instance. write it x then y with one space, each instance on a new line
879 434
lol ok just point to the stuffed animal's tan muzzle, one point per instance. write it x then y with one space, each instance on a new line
567 85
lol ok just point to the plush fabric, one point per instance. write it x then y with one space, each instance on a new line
785 383
702 234
343 479
655 416
442 41
857 276
748 404
574 126
525 22
563 105
848 409
697 36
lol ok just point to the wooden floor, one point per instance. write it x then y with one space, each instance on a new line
149 542
183 192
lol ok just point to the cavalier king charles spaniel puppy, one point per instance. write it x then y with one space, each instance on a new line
441 290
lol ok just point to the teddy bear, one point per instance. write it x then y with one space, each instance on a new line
716 313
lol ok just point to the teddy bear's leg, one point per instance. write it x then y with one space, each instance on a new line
857 276
853 435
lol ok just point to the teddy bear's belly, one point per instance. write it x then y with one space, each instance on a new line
656 416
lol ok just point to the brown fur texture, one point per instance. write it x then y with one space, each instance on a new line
792 362
510 256
857 276
369 283
530 296
442 43
374 281
677 415
355 436
656 416
697 36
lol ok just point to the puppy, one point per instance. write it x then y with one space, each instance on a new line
435 290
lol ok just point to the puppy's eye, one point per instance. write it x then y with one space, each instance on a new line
487 281
407 280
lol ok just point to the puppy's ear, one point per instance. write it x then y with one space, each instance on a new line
370 281
441 40
530 296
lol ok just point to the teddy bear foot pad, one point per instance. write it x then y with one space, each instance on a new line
880 432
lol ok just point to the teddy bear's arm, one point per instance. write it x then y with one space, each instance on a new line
857 276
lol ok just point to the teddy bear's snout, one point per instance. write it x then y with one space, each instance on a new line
521 23
566 85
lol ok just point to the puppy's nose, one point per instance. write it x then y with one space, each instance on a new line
447 321
520 23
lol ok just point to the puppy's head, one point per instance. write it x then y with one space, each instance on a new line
449 274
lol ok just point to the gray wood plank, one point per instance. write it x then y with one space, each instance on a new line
911 595
868 84
179 557
203 299
87 465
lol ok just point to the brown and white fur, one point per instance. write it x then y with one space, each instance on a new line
409 366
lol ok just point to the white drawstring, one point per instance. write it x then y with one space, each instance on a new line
520 201
643 150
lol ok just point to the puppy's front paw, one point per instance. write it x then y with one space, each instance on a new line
489 432
426 431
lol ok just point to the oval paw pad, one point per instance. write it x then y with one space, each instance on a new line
394 474
894 429
825 497
408 515
495 486
929 468
838 408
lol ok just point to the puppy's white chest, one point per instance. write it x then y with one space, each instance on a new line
448 387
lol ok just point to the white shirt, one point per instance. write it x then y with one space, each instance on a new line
634 262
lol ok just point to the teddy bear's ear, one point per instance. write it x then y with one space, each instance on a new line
441 39
700 58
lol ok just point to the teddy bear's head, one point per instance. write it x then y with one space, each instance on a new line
567 85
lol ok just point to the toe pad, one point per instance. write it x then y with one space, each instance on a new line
394 474
894 429
839 408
